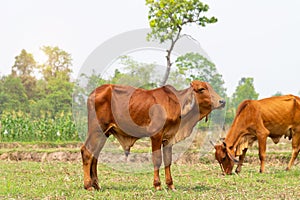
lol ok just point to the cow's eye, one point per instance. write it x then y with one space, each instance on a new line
201 90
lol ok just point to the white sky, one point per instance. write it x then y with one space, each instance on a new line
257 38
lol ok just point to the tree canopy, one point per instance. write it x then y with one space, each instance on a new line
167 19
244 90
50 93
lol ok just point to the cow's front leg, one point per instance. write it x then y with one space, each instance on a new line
167 154
262 140
241 161
156 159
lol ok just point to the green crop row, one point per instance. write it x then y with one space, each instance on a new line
19 126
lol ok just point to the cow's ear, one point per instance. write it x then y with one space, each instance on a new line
194 86
188 104
224 144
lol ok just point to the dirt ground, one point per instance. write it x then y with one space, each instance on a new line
71 153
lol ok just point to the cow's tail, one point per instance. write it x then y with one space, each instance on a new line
296 109
297 101
92 116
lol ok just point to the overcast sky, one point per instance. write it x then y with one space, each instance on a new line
257 38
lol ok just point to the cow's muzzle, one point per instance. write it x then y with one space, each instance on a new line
222 103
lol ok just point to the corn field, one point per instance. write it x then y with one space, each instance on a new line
21 127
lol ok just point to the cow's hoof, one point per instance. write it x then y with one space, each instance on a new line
90 189
171 187
158 188
96 185
88 185
287 169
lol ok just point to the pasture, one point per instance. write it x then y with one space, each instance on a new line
22 177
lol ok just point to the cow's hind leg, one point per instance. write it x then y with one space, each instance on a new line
296 149
157 160
87 160
90 152
167 155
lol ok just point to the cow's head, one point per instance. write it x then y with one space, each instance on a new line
225 158
206 97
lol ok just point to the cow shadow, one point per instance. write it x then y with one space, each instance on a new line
196 188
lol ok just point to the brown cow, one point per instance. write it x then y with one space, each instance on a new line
256 120
163 114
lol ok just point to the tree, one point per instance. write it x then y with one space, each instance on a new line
278 93
134 73
55 90
12 94
194 66
24 64
92 81
60 95
23 68
167 19
244 90
57 64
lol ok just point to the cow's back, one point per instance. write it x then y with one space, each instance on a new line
144 103
133 107
280 114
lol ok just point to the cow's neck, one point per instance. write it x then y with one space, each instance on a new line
188 122
237 140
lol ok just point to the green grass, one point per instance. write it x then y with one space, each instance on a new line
63 180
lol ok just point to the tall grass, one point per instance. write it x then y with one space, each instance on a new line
22 127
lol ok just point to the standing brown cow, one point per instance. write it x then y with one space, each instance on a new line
256 120
163 114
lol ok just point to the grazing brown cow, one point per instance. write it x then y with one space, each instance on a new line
163 114
272 117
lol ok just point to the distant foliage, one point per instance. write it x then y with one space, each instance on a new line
36 99
278 93
40 102
19 126
50 93
244 90
193 66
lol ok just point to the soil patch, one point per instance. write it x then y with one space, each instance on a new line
43 152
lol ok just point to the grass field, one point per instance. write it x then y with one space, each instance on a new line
203 180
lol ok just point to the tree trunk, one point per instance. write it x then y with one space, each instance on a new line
169 64
167 72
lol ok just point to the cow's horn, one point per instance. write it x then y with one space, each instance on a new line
231 156
212 143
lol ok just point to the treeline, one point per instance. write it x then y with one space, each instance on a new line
38 89
34 97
